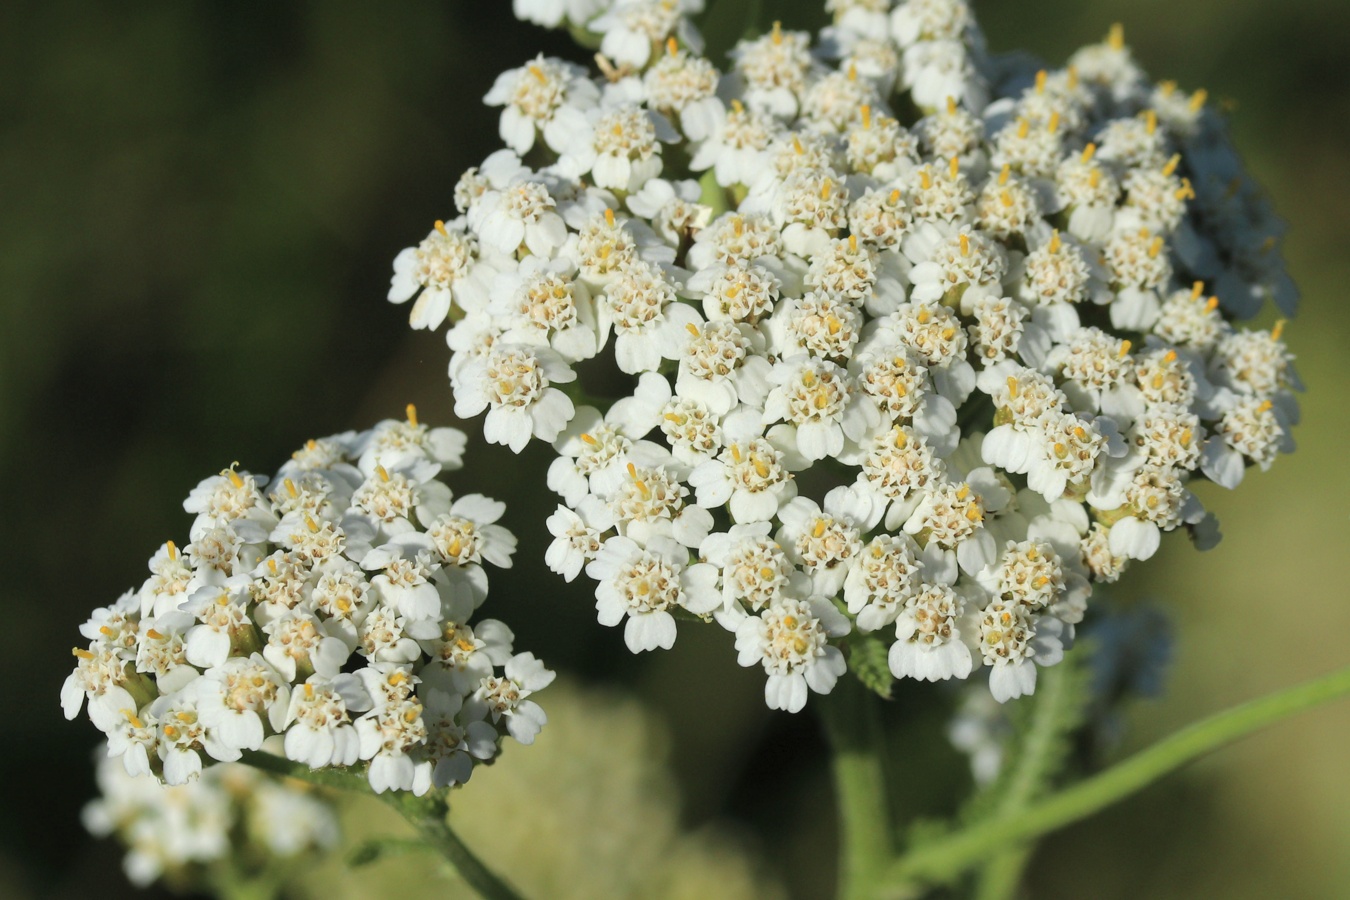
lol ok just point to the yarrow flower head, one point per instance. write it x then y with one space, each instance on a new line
935 342
329 615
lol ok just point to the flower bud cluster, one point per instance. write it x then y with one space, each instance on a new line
175 832
936 340
330 607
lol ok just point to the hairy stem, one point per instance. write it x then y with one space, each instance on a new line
426 814
866 836
944 859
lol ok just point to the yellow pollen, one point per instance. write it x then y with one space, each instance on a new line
1041 582
1012 386
131 718
963 492
761 468
1265 406
588 439
223 599
737 106
901 439
951 105
809 378
1170 356
186 717
1004 174
411 715
1197 289
1150 120
1185 192
1124 349
732 292
1060 450
231 474
455 547
1073 77
954 168
170 732
609 217
153 635
1041 77
1186 437
1172 164
777 34
1023 128
672 45
895 196
440 226
538 74
1005 198
617 130
291 488
272 565
463 644
1158 381
923 316
825 188
672 417
82 654
1198 100
736 452
973 513
1080 432
172 549
853 243
692 329
833 325
1156 247
765 573
1055 241
925 179
822 399
965 244
789 621
309 691
311 525
1094 178
738 226
632 471
1088 152
1053 125
1211 304
382 472
1277 330
1033 554
948 333
817 531
1115 38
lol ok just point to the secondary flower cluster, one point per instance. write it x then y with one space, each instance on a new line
333 609
177 832
936 340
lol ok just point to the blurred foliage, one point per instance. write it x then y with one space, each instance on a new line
201 202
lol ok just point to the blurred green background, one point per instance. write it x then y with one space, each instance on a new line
199 204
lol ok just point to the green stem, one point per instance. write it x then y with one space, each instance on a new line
1057 710
426 814
866 842
944 859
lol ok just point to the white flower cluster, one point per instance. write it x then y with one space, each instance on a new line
332 609
176 831
978 334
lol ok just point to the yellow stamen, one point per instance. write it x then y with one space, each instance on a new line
82 654
974 513
291 488
311 524
588 439
1053 125
131 718
1172 164
853 243
1186 437
1012 386
963 492
1211 304
965 244
1004 174
231 474
737 107
825 189
1170 356
440 226
272 566
852 72
1023 128
1277 330
866 116
895 196
819 529
951 106
1073 77
1041 77
1055 241
777 34
672 45
1088 152
170 732
692 328
609 217
1150 120
1124 349
172 549
1186 191
1156 247
1198 100
153 635
797 145
1265 406
1094 178
309 691
1115 38
925 178
954 167
738 226
1197 289
1005 198
761 468
736 452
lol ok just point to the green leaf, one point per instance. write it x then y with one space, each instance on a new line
867 658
